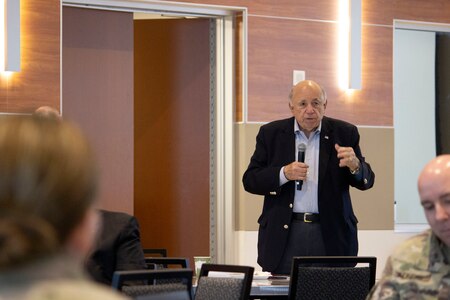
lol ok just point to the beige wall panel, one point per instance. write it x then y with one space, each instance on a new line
98 95
38 82
374 208
248 206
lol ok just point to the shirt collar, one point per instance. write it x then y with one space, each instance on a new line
297 127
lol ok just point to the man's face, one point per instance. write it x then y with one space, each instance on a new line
308 106
434 191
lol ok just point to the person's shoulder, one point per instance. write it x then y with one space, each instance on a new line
412 252
71 289
409 244
337 122
279 124
115 215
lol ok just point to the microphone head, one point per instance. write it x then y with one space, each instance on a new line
301 147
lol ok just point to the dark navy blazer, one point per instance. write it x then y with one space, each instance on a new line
275 148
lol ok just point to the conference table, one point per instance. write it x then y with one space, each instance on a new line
264 287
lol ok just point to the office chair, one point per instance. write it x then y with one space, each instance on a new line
183 284
228 286
166 262
151 252
331 277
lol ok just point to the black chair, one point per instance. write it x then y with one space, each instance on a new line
151 252
332 277
235 285
166 262
181 286
175 295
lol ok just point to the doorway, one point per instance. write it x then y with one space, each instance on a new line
172 119
221 225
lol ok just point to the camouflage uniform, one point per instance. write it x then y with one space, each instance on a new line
418 269
60 277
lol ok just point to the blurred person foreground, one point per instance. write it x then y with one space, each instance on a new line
48 182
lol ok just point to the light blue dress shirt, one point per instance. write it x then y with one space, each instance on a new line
306 199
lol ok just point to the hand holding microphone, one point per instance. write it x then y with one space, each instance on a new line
297 170
300 158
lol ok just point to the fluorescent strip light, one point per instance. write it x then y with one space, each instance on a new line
355 45
349 56
10 35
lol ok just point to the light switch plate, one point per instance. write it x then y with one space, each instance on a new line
298 76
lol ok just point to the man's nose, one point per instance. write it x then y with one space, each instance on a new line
309 108
441 212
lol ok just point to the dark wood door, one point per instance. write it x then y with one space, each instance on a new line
172 134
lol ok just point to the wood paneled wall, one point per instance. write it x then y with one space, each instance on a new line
38 82
292 30
302 35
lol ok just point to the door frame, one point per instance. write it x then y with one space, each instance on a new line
223 241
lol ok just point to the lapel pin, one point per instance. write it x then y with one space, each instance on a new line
326 137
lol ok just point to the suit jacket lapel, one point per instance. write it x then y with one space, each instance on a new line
289 150
326 148
288 141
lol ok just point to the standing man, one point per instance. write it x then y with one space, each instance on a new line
420 267
307 207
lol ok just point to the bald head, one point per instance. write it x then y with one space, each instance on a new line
47 112
438 169
434 191
307 102
308 85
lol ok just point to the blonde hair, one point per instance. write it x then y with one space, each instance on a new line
48 181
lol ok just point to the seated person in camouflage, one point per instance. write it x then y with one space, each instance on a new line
420 267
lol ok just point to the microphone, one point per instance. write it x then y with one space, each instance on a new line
300 158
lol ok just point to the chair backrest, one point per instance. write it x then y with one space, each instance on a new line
151 252
234 284
332 277
166 262
170 295
182 278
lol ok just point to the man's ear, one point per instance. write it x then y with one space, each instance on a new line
325 104
291 107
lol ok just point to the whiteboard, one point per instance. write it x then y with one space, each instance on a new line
414 118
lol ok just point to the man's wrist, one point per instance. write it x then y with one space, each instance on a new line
355 171
283 178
